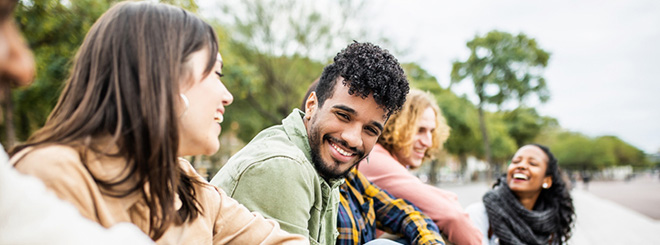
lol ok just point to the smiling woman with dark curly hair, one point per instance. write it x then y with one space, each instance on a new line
529 204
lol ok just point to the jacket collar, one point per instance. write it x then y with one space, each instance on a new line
296 130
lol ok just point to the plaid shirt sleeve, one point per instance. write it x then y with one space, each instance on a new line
376 207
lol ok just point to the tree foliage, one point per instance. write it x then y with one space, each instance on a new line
273 51
461 116
53 29
579 152
502 67
460 113
525 124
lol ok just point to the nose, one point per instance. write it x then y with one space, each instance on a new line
352 135
226 96
522 165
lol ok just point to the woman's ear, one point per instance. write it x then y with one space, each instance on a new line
547 182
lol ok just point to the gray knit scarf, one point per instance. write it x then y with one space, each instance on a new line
514 224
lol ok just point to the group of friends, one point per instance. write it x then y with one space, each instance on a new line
145 90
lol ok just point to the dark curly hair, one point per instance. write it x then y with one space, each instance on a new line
557 194
366 69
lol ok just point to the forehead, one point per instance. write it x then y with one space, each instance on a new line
427 119
532 151
362 106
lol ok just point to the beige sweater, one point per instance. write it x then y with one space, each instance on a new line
223 219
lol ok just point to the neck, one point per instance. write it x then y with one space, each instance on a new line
528 199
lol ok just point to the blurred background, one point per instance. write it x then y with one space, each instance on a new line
578 76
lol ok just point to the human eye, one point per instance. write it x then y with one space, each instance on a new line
219 74
372 131
343 116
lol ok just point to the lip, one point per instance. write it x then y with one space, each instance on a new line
418 154
334 153
518 179
219 115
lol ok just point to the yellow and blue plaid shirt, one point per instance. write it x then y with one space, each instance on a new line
365 207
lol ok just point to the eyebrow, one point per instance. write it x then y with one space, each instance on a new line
352 111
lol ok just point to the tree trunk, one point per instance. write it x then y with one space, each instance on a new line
462 158
484 136
432 172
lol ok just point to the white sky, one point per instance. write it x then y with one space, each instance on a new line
604 72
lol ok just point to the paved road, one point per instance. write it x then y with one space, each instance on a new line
641 194
599 220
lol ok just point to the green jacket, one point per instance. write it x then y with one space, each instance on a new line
274 175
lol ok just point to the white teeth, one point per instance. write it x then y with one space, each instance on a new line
218 117
519 176
344 153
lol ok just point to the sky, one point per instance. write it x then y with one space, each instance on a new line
604 70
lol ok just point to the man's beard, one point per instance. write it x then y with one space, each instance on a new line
325 169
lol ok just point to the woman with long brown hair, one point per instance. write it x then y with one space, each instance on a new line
144 90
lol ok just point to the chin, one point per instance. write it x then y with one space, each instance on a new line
208 149
212 150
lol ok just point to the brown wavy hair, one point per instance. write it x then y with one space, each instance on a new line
400 128
125 83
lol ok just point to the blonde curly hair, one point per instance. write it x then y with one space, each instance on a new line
399 130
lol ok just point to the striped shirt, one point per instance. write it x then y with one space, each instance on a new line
365 207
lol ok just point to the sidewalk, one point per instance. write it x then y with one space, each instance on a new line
599 221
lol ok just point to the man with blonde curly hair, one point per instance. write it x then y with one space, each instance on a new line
410 137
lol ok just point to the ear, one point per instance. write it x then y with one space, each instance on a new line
547 180
311 105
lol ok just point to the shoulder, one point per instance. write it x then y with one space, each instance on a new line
50 153
62 171
476 208
478 215
270 146
51 162
379 162
278 167
274 170
270 153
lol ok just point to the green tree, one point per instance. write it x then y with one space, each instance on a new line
502 67
273 50
459 112
503 145
54 29
461 116
525 124
624 153
573 150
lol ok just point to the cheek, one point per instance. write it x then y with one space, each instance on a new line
368 145
510 168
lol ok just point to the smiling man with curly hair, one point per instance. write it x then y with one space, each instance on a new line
291 172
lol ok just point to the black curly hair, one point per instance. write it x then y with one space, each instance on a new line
557 193
366 69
